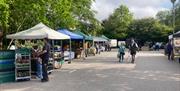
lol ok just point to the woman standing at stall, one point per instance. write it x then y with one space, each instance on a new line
38 61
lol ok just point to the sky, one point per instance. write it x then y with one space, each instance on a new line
139 8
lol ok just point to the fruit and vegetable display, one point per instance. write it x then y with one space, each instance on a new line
23 64
22 73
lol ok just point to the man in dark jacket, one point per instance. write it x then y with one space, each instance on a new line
169 50
133 48
45 58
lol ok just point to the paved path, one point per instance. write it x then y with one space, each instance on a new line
151 72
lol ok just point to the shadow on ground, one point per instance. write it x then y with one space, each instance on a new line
151 72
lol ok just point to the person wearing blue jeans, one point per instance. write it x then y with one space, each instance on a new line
39 68
38 61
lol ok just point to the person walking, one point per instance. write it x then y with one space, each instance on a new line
133 48
45 57
169 50
121 53
97 48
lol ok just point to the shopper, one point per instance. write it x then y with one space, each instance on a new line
121 53
169 50
45 57
133 48
97 48
157 46
38 62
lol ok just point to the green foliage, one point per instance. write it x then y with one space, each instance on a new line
177 27
149 29
116 25
23 14
86 17
26 13
18 15
60 14
4 14
165 17
82 10
120 25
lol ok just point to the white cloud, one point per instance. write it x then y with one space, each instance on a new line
145 12
140 8
103 12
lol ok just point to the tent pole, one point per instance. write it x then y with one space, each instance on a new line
70 51
61 45
84 49
53 46
10 43
62 53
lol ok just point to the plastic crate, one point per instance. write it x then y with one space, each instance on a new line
7 77
23 51
7 54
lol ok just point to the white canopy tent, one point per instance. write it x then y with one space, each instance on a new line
39 31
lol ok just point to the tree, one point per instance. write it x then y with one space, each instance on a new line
4 15
60 14
82 10
85 16
177 27
149 29
54 13
116 25
165 17
23 14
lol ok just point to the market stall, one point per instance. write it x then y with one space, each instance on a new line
175 39
23 58
75 49
87 43
107 43
99 43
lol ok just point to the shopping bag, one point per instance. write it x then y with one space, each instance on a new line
61 61
56 65
128 58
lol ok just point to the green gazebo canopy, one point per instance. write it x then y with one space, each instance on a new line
99 39
103 36
84 35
